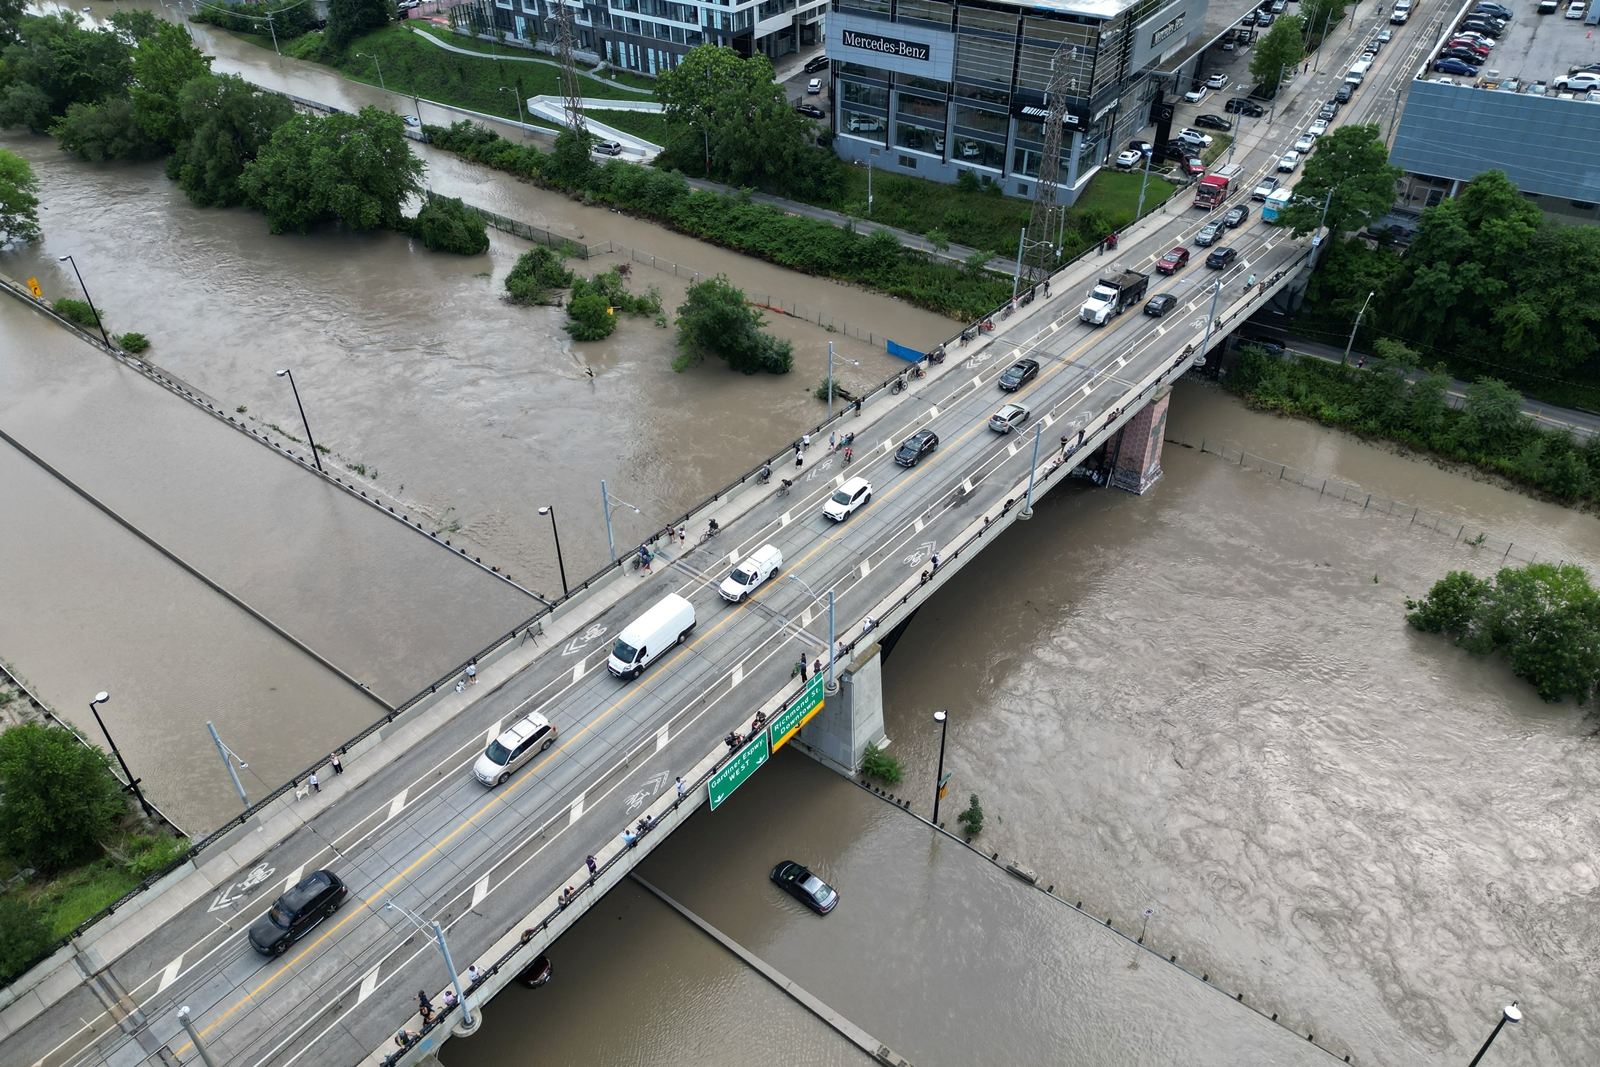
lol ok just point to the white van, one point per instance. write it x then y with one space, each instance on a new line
643 640
761 565
1358 72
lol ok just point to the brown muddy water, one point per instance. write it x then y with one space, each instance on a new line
1199 702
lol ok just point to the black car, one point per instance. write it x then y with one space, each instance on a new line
1483 26
1249 19
811 111
1176 149
1240 106
1141 146
1019 374
313 898
1329 112
913 448
1266 344
816 63
1495 10
1237 216
1160 304
1466 55
1343 95
1221 257
1213 122
805 887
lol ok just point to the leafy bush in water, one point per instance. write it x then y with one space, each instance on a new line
77 310
714 319
878 763
445 224
595 302
536 276
972 818
133 342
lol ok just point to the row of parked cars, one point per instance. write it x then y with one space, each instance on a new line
1473 42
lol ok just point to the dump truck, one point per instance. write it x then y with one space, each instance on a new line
1112 295
1215 187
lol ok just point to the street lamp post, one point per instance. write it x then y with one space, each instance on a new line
1351 343
194 1036
1138 213
551 511
379 67
852 362
605 498
133 783
1022 239
518 95
228 762
303 421
1210 320
86 296
1509 1014
1027 504
1276 89
467 1022
943 719
831 686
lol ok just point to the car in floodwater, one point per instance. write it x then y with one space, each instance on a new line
805 887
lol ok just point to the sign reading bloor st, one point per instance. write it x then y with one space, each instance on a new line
759 748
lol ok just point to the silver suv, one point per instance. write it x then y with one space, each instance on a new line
515 746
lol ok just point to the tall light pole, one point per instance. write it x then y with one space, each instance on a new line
303 422
831 685
228 756
379 66
518 95
1509 1014
1027 504
194 1036
1351 343
1275 90
943 719
86 296
852 362
1138 212
444 950
133 783
605 498
551 511
1210 320
1017 277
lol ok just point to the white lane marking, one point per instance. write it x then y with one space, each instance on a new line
480 891
888 446
784 521
577 671
733 558
738 675
805 618
933 412
494 731
577 811
966 486
398 804
294 878
866 568
170 975
916 525
976 380
661 737
369 984
1013 449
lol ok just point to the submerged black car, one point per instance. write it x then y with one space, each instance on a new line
291 917
1019 374
915 447
805 887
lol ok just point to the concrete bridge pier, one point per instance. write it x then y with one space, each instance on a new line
1138 449
851 719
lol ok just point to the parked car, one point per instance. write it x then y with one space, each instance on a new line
1208 234
1221 257
411 120
1173 261
1237 216
1249 19
1538 88
1289 161
1318 127
1499 11
847 499
1019 374
1141 147
805 887
1278 6
814 86
1480 38
1511 85
1466 56
1329 111
1488 29
1575 9
1266 344
1240 106
1265 19
515 745
816 63
1385 36
744 579
1008 418
1305 143
1192 166
1454 66
1194 96
609 148
1579 83
913 448
811 111
1160 304
1129 158
1548 7
1217 81
1265 189
1471 45
1194 138
1213 122
293 915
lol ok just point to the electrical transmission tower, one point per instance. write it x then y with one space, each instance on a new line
571 94
1046 219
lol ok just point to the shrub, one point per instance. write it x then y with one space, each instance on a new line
972 818
77 310
595 302
23 935
591 317
536 276
878 763
60 799
133 342
445 224
714 319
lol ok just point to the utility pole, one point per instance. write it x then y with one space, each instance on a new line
1210 320
569 67
1042 218
1016 277
1138 213
1027 504
226 752
1276 89
1351 343
273 30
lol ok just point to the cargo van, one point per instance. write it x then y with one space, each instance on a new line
762 564
643 640
1358 72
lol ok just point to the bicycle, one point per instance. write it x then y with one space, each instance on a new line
711 531
783 490
899 386
918 371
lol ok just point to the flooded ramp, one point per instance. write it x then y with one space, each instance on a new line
380 602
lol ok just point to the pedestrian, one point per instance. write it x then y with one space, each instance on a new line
683 787
1102 248
804 665
1080 438
935 562
336 763
833 442
450 999
1361 362
1307 67
858 407
424 1006
594 868
405 1038
799 461
316 787
474 976
1250 282
472 671
816 668
683 534
1046 293
629 838
805 442
925 576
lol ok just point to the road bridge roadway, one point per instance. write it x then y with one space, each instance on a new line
426 835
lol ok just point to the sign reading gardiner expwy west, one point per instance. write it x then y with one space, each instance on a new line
889 46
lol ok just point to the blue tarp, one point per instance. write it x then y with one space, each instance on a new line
909 354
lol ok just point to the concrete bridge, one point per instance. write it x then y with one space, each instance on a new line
409 825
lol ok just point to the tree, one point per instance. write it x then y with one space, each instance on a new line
165 61
570 164
19 207
356 169
229 120
1492 418
104 131
592 311
1353 164
60 799
1321 16
349 19
445 224
57 64
538 273
714 319
1277 53
23 935
727 118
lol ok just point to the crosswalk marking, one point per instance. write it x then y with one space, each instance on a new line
170 975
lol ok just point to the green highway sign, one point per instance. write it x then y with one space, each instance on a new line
787 722
745 762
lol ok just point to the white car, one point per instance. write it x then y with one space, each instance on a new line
763 563
814 86
515 746
1580 82
1129 158
1575 9
847 499
1318 128
1217 81
1289 161
1194 96
1303 145
1190 136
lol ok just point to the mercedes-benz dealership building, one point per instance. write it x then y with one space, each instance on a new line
935 87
